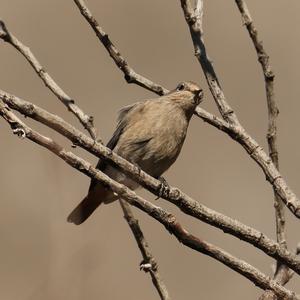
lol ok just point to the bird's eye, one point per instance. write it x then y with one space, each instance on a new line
180 87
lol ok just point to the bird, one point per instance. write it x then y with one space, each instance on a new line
149 134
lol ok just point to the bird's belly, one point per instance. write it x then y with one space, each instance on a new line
158 156
155 148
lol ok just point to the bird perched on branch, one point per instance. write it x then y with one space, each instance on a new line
149 134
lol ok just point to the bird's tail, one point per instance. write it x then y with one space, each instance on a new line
89 204
84 209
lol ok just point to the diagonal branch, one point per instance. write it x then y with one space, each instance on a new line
23 131
263 59
130 75
282 271
85 120
149 263
162 216
194 20
233 129
174 195
282 276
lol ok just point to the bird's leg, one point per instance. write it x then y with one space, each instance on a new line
164 189
139 170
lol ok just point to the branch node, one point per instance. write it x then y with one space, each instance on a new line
269 75
275 179
148 265
175 194
90 122
160 91
252 151
4 34
18 130
129 78
191 18
297 212
228 113
197 52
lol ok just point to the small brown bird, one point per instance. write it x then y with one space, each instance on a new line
149 134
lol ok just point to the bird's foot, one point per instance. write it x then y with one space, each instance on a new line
164 189
139 170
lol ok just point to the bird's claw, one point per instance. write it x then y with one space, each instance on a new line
164 189
139 170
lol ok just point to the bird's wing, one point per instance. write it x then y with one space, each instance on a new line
122 121
121 124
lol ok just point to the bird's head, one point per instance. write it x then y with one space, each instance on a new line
187 95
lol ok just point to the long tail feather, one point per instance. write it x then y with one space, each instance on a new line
84 209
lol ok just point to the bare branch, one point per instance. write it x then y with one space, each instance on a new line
162 216
85 120
174 195
282 276
234 130
149 263
213 120
127 70
194 18
231 126
23 131
257 153
263 58
130 75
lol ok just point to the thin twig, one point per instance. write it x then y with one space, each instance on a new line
85 120
273 111
162 216
130 75
149 263
282 274
124 66
174 195
194 18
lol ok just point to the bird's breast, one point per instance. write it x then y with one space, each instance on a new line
156 143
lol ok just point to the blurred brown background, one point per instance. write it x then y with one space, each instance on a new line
44 257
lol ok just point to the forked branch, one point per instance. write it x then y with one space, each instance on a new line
174 195
232 127
165 218
85 120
